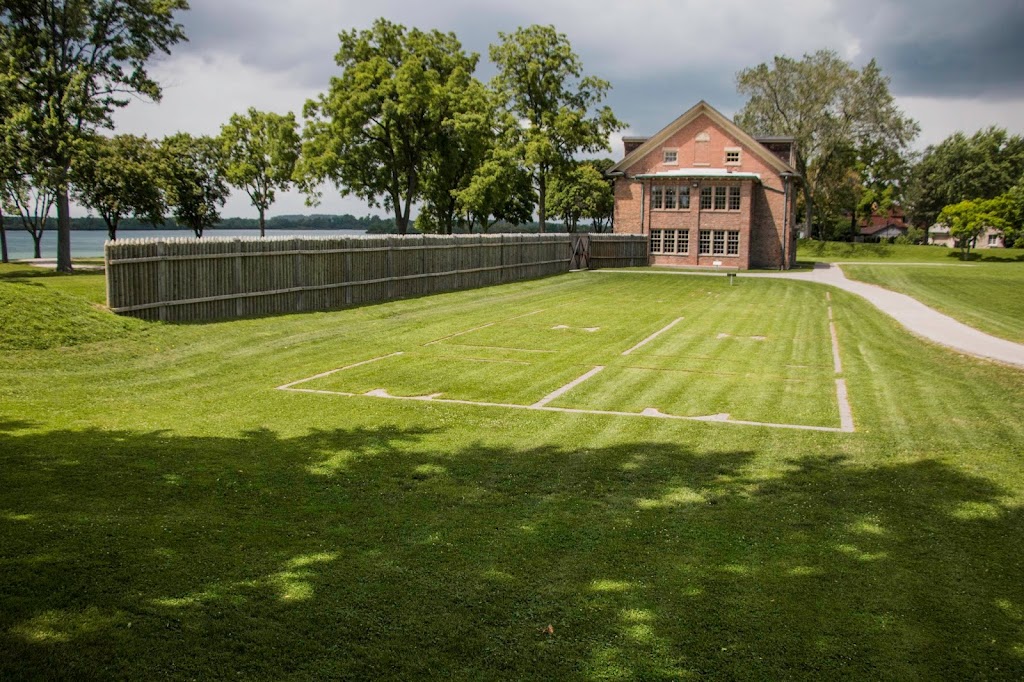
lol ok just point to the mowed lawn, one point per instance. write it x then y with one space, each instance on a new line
983 292
693 351
165 512
984 295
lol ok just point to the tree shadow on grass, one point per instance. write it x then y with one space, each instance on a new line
372 553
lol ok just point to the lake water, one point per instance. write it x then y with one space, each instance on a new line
89 243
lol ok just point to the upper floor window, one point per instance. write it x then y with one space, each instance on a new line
670 197
720 198
670 156
732 156
734 198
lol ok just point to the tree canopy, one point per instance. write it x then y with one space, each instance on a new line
194 179
579 193
71 64
540 82
119 177
376 129
967 220
261 150
844 121
961 167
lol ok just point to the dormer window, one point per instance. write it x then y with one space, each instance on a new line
732 156
670 156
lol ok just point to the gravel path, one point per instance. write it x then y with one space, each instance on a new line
914 315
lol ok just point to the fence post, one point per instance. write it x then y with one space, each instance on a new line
161 279
240 301
298 274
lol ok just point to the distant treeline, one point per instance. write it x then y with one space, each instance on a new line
371 224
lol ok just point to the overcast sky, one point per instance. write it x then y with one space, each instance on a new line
954 64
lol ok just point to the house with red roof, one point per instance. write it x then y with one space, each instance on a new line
708 194
883 225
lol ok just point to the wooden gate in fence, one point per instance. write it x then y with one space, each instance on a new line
580 252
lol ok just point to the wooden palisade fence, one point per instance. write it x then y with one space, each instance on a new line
182 280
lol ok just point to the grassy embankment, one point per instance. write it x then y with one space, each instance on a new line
164 512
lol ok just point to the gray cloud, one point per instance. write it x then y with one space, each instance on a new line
946 48
928 47
954 63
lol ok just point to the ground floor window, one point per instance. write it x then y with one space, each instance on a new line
670 241
718 243
732 246
993 240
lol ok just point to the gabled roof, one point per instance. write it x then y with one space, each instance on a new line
702 108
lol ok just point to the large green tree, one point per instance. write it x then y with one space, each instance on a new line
261 150
31 198
961 168
194 179
500 190
541 84
968 220
461 144
118 177
843 120
379 125
72 63
25 189
581 192
8 159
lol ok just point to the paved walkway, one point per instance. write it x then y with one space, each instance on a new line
909 312
914 315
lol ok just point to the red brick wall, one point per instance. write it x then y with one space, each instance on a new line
759 220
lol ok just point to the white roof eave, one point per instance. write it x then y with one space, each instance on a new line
700 173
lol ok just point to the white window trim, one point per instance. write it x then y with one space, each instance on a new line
682 189
739 151
664 156
679 235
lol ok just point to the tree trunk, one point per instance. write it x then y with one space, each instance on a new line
37 238
808 216
63 231
542 190
263 223
3 240
401 222
111 229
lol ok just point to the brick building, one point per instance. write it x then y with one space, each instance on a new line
706 192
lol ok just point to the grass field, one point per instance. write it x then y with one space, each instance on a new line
839 252
166 512
984 295
983 292
709 351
